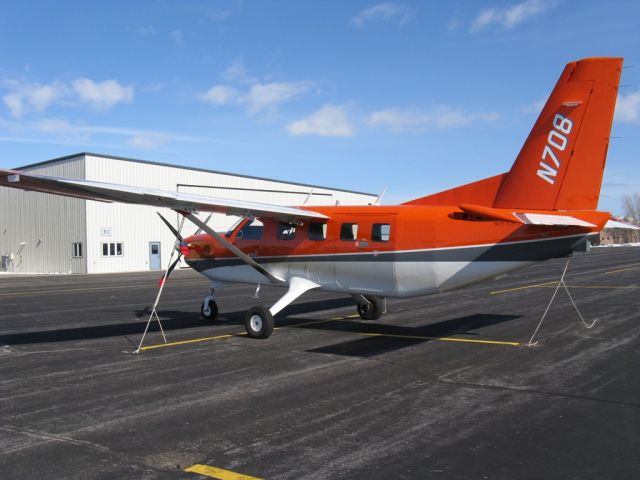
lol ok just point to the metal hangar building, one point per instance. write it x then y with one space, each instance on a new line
44 233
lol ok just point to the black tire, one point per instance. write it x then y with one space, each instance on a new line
258 322
371 310
212 312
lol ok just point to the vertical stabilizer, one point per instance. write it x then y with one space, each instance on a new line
561 163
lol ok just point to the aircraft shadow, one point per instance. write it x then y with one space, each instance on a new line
376 345
172 320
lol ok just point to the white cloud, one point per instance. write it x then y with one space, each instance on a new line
392 12
416 120
259 97
266 95
510 17
220 95
329 121
628 108
102 95
148 141
27 97
236 72
15 104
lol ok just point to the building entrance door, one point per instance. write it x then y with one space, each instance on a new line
154 256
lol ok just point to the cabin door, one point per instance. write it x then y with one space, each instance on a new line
364 249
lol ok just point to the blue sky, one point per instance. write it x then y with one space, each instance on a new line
414 96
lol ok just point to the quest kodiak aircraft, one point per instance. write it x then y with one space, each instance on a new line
544 207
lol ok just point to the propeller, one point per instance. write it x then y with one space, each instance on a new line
181 246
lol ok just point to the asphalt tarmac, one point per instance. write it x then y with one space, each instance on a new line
443 386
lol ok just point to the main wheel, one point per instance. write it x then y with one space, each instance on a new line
258 322
371 310
209 310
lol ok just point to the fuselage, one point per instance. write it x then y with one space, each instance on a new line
394 251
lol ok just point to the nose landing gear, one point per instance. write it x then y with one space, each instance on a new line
209 308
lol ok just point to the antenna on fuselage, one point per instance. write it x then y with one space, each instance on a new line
379 199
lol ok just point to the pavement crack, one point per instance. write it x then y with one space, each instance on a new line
51 437
540 392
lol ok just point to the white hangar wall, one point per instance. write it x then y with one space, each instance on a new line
37 230
132 227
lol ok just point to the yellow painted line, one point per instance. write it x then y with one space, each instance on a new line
193 340
622 287
88 289
621 270
443 339
218 473
537 285
222 337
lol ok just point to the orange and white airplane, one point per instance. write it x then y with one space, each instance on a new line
544 207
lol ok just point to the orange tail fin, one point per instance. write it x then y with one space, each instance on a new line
561 163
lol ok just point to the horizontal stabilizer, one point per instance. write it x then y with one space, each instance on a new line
111 192
525 218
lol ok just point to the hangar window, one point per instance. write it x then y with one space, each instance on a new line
317 231
76 249
112 249
251 231
348 231
286 231
381 232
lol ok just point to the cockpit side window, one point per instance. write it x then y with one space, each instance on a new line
251 231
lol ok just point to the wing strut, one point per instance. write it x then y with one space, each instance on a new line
232 248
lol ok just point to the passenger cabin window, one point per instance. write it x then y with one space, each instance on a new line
317 231
381 232
348 231
286 231
251 231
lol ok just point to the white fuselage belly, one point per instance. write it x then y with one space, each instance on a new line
388 279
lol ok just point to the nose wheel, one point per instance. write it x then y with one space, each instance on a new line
209 309
258 322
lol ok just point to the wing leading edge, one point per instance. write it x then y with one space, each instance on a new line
112 192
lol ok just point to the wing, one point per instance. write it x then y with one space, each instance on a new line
111 192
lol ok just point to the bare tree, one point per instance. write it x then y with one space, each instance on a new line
631 206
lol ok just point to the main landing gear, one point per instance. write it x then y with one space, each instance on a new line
369 307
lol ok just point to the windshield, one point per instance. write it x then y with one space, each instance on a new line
233 227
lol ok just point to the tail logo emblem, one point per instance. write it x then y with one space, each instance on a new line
556 142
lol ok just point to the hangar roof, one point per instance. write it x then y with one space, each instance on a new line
148 162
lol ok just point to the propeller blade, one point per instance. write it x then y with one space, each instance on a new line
166 276
171 227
